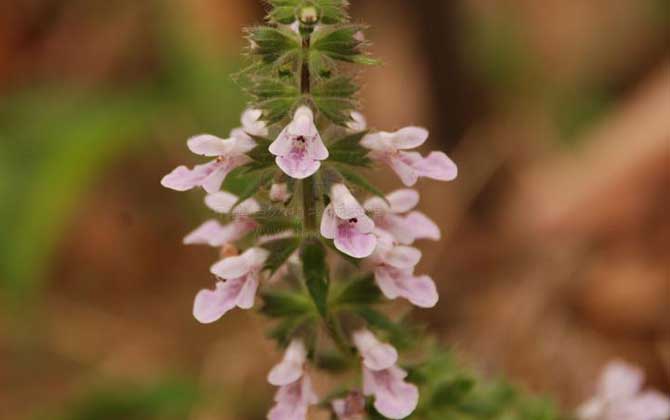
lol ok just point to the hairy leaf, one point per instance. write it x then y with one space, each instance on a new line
274 46
280 251
275 97
285 304
315 270
335 98
342 43
361 291
356 180
348 150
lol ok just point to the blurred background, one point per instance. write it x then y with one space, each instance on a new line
557 232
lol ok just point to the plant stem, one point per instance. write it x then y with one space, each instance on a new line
309 199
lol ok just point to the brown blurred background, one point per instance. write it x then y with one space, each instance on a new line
557 232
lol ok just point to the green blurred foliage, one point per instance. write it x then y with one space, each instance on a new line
166 400
56 142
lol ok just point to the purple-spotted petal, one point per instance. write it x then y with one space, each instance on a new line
298 165
352 242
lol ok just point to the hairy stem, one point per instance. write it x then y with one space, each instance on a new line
309 200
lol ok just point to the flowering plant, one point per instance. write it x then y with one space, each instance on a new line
320 244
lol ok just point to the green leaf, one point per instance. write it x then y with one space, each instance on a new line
361 291
274 46
341 43
315 270
333 11
452 392
335 98
331 361
285 330
285 304
275 97
348 150
356 180
244 182
283 11
280 251
261 152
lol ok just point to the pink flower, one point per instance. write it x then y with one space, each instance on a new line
292 401
291 368
390 148
229 153
619 397
393 267
295 394
299 148
242 273
390 216
394 398
345 221
252 124
358 123
376 355
213 233
350 408
280 193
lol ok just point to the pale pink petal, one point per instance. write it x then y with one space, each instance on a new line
357 123
376 355
184 179
293 400
380 142
344 203
376 206
409 137
328 223
247 208
247 295
231 267
210 305
421 291
438 166
403 200
352 242
298 165
386 281
205 234
398 227
283 144
255 257
350 408
620 380
290 369
649 405
394 398
364 224
240 143
280 192
252 124
403 257
208 145
233 231
405 172
221 202
422 226
591 410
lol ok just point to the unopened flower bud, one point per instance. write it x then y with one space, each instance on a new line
309 15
